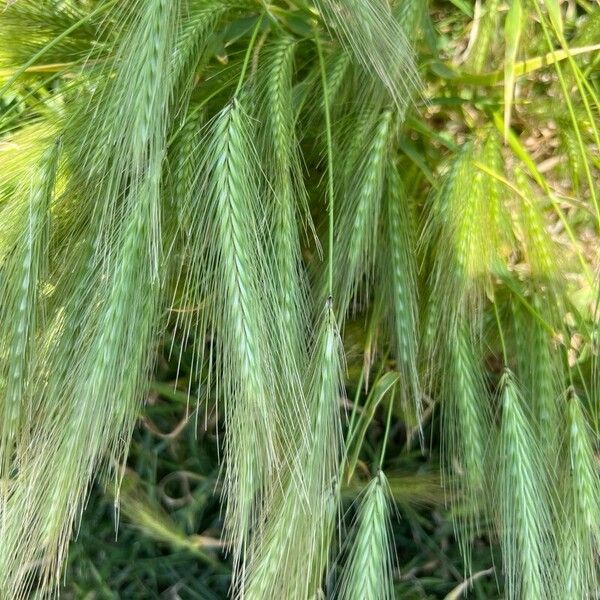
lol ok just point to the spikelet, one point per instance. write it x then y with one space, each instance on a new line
369 31
284 170
291 552
411 14
183 167
236 272
21 152
581 523
399 273
462 220
341 74
355 243
466 430
22 275
368 572
463 216
546 369
528 546
228 248
352 135
576 167
542 257
89 402
495 218
338 72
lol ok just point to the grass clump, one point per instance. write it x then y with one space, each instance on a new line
266 266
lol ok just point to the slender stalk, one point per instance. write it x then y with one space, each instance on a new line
330 173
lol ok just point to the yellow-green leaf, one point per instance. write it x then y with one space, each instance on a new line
553 8
512 34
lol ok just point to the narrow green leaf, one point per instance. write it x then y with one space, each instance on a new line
512 36
356 437
555 14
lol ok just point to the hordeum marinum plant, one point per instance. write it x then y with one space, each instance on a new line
308 290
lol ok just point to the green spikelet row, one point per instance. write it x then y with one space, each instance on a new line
355 254
467 428
580 531
368 572
80 425
248 384
289 195
526 523
376 40
541 255
457 233
402 286
23 274
292 553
